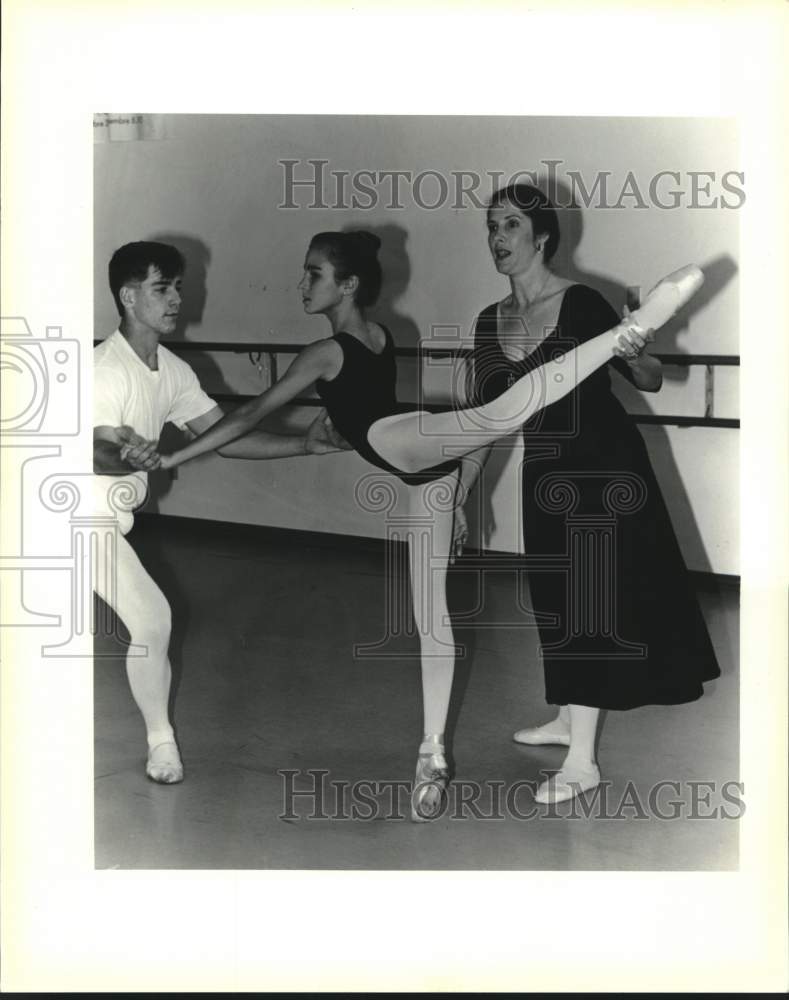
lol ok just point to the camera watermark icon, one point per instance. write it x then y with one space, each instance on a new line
592 504
92 560
40 407
40 381
470 378
90 564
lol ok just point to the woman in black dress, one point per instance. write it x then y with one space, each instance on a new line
619 624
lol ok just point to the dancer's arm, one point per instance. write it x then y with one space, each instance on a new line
319 439
470 468
312 363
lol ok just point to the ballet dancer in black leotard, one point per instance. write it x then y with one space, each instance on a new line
354 372
364 392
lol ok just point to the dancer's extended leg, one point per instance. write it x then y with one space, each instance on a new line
415 441
431 510
144 610
420 440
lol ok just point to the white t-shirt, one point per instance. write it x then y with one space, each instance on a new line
127 391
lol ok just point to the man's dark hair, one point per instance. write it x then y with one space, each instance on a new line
131 263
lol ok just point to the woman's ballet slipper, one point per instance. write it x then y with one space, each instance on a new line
164 764
666 298
430 782
566 784
542 736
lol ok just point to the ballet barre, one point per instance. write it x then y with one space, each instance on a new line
272 349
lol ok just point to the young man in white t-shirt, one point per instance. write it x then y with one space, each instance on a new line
139 386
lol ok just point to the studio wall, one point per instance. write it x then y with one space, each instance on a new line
662 192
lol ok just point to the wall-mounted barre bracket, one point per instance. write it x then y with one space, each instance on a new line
709 390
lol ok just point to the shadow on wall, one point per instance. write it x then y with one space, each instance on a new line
194 286
396 268
194 293
717 273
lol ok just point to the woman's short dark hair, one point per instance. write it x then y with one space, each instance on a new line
131 262
534 204
353 253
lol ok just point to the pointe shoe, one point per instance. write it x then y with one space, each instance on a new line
164 764
542 736
666 298
430 782
567 784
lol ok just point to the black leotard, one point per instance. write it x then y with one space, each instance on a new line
364 391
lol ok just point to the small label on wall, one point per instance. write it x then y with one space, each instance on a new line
110 127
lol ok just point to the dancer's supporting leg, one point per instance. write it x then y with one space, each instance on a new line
414 441
144 610
431 510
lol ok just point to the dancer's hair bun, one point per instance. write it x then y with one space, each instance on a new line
368 240
353 252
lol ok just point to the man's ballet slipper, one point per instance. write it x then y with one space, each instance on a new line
566 785
667 297
164 764
541 736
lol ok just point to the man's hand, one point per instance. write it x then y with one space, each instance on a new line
322 437
136 451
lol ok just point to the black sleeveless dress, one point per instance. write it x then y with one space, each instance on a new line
364 391
619 623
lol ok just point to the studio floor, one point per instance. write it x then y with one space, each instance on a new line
266 682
